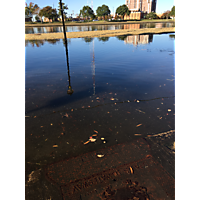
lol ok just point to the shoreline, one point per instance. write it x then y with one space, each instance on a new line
105 33
97 23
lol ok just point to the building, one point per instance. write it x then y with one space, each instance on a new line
144 6
139 8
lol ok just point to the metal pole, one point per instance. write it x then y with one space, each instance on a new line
63 21
70 91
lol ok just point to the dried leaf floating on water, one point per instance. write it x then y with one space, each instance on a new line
139 125
92 140
131 170
137 134
96 131
100 155
55 146
86 142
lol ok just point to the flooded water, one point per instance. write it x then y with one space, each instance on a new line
123 89
51 29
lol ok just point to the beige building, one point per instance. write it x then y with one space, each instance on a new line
139 8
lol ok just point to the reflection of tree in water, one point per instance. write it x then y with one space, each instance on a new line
103 39
88 39
33 43
172 36
52 41
39 43
122 37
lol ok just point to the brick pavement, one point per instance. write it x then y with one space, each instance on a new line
90 177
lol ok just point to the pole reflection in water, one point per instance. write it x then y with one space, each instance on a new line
70 90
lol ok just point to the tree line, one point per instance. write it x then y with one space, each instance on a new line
86 12
102 12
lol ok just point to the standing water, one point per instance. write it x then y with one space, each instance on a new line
123 89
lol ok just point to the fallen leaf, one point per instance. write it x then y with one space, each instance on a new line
102 138
97 98
51 124
94 135
92 140
131 170
112 99
96 131
100 155
137 134
66 115
55 146
86 142
139 125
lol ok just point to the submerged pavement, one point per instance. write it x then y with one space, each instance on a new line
140 169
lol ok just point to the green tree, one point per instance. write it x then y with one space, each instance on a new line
103 11
122 10
31 9
65 7
87 12
152 15
172 13
36 17
49 13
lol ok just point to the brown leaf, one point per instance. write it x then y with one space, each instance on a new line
139 125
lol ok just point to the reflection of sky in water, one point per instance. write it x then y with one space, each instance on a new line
116 61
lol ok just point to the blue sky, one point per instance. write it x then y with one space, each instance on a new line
76 5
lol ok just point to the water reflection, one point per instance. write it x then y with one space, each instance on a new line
130 100
128 39
51 29
138 39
